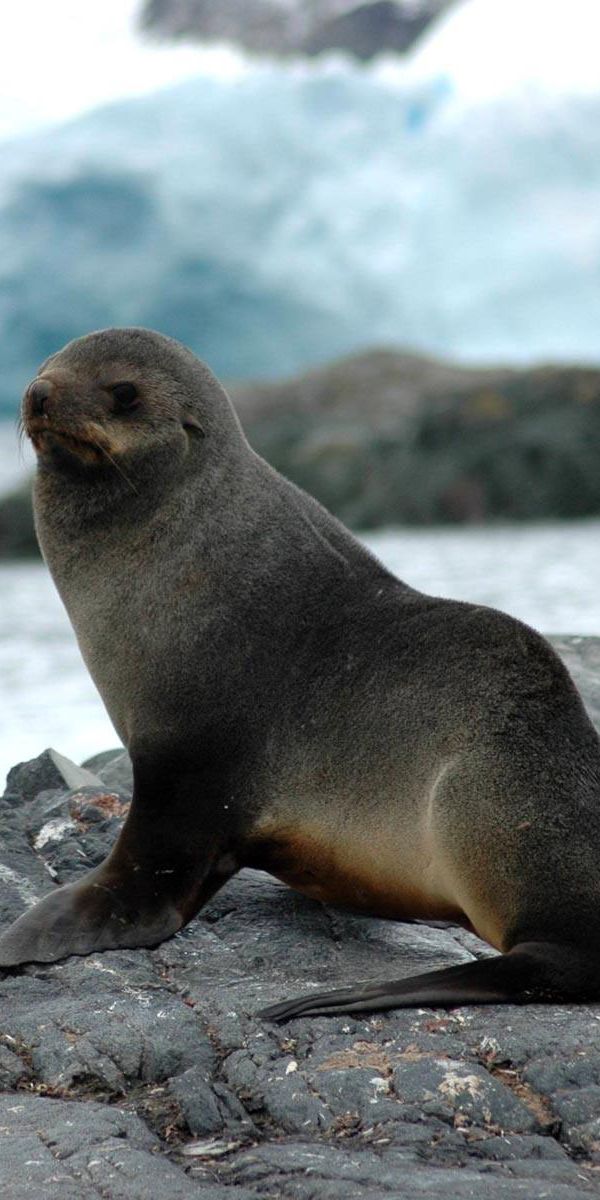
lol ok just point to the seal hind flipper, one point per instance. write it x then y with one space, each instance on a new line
542 972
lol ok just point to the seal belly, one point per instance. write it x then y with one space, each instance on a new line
363 870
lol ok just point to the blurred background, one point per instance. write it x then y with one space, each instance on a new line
378 221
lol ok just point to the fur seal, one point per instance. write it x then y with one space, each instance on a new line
288 704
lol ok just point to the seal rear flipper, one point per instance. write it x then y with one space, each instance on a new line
532 972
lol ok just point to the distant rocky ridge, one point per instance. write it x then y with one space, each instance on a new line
301 27
387 438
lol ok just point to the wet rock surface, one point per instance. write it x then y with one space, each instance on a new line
147 1074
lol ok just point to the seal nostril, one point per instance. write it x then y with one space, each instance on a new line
38 393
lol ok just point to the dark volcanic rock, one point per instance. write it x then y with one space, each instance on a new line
50 1148
114 768
50 770
17 535
303 27
386 438
141 1073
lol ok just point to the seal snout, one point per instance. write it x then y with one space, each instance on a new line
52 420
39 408
37 396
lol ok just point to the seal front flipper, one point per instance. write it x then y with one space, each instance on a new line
542 972
79 918
158 875
106 911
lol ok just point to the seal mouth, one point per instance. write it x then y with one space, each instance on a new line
44 437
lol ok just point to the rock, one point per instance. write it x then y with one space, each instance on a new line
110 1064
97 762
581 655
54 1149
12 1068
365 1173
386 438
28 779
50 770
73 775
278 27
210 1107
460 1094
114 769
17 535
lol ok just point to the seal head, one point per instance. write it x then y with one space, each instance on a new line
122 404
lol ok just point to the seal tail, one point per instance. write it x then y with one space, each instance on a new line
532 972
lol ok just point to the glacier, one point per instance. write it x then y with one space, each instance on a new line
279 215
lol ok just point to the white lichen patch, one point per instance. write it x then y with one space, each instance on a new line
489 1046
454 1085
53 831
209 1148
381 1086
96 965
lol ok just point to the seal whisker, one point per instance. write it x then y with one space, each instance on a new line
21 436
115 464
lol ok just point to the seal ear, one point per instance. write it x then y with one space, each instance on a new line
189 420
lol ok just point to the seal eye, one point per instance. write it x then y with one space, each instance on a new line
126 396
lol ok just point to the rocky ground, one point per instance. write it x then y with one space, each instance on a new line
146 1074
